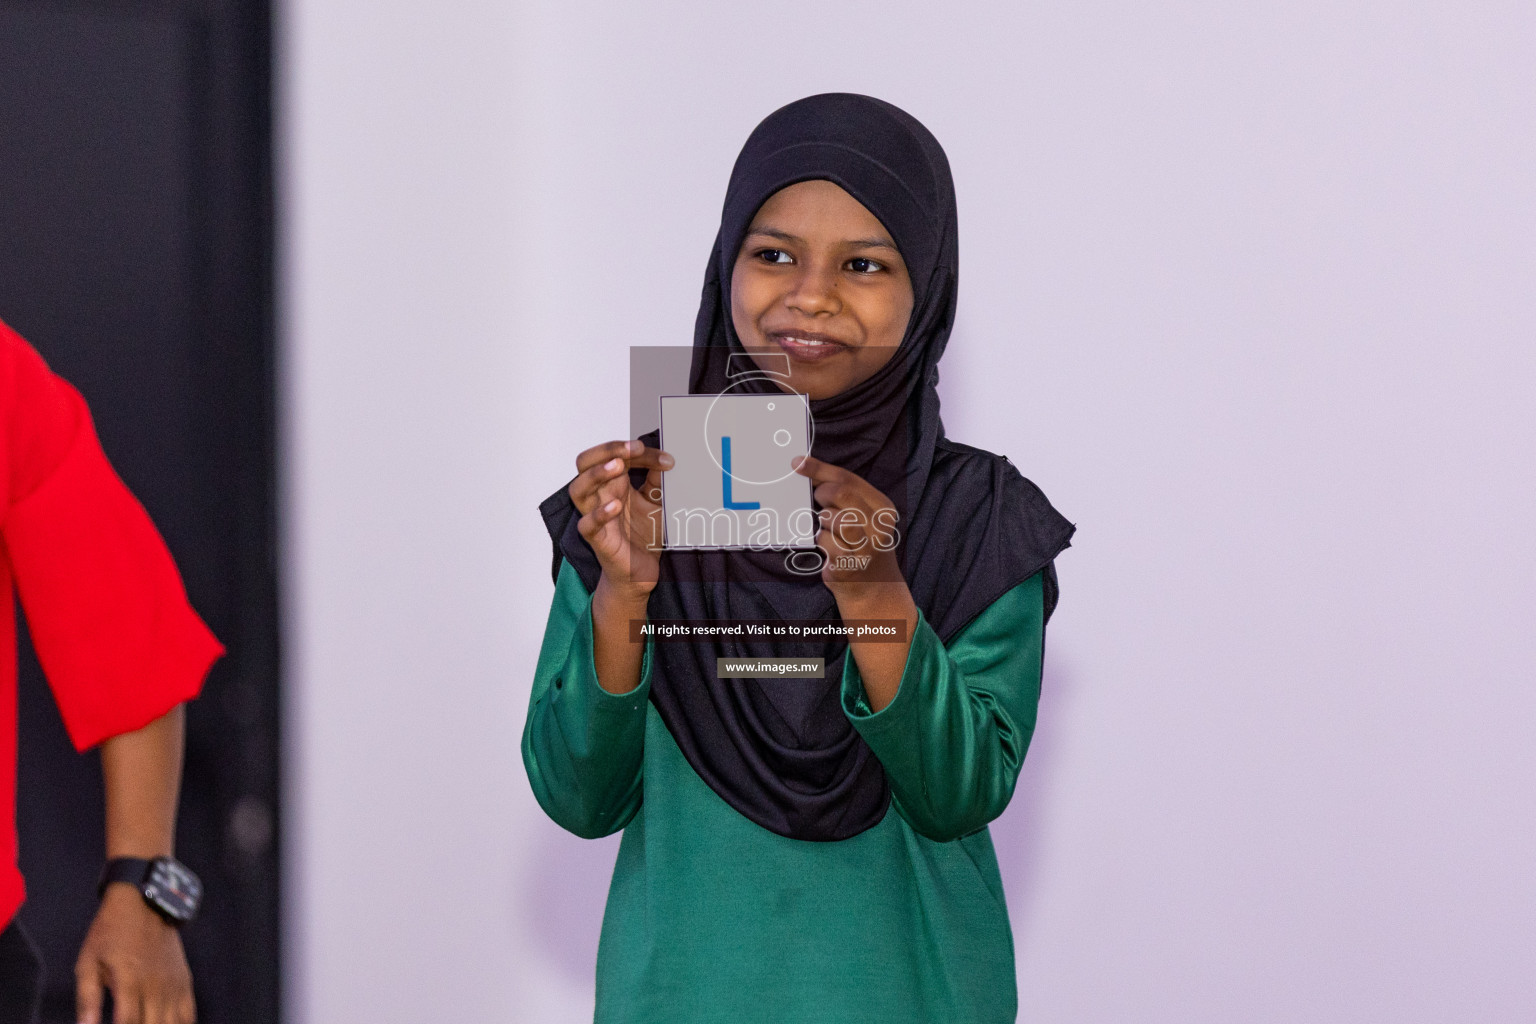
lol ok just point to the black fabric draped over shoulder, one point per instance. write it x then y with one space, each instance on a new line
783 752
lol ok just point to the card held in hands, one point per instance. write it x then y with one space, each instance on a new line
732 486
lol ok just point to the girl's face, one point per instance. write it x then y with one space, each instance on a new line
819 279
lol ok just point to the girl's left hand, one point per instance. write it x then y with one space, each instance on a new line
858 535
859 528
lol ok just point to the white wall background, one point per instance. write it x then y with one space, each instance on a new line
1247 288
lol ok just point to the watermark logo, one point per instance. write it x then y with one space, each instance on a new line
735 486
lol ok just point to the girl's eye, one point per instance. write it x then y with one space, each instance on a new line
774 256
864 265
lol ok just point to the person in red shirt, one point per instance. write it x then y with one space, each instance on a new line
123 651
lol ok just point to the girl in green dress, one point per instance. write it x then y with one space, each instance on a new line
808 850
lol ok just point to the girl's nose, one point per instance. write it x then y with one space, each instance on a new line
815 292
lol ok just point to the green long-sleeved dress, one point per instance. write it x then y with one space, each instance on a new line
713 918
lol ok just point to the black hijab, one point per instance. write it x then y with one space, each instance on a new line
783 752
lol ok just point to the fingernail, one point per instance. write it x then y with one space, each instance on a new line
613 464
634 446
612 506
667 461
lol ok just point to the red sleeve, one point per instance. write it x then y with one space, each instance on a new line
104 602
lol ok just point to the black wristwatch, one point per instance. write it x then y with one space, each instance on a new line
167 885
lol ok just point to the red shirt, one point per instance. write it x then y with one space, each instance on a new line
104 603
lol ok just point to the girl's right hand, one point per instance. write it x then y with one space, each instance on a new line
622 525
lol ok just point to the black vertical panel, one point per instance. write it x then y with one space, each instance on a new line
135 254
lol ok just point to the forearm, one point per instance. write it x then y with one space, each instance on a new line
129 949
880 664
617 657
583 749
582 746
954 738
950 753
141 771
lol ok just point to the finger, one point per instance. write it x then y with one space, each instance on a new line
657 462
601 453
650 491
820 472
840 494
835 487
591 525
127 1003
838 530
592 480
608 536
636 453
162 1005
586 488
849 522
600 516
857 490
617 489
88 992
175 1000
651 458
157 1007
186 1008
825 538
828 545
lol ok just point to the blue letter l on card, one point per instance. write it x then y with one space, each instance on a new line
725 477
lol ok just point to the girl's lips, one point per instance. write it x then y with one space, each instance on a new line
807 347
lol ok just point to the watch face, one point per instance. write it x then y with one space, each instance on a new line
173 890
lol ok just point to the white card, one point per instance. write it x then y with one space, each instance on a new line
732 486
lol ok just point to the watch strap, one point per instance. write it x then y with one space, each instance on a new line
133 870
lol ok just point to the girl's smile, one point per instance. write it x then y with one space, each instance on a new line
807 345
819 279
